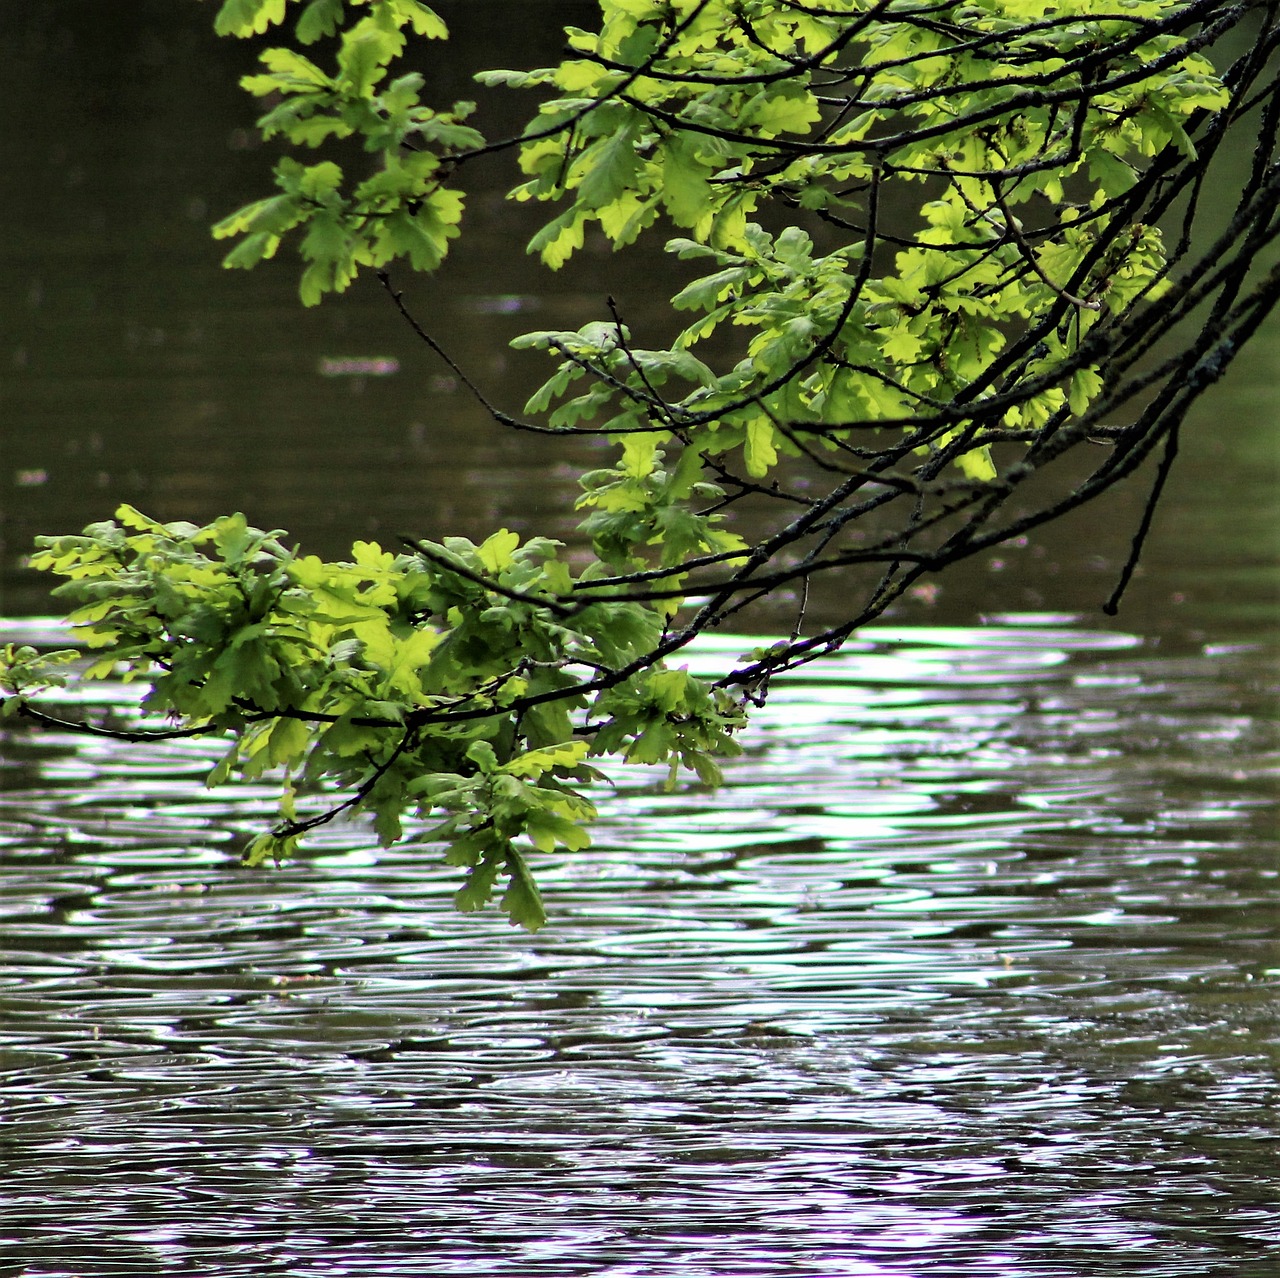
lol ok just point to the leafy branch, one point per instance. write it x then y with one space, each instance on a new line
934 267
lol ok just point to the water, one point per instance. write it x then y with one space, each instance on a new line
969 970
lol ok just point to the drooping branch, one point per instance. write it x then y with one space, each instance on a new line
951 253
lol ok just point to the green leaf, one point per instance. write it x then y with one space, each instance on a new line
269 847
1113 174
522 900
1085 386
533 763
497 552
424 20
289 69
272 216
759 453
686 193
787 106
251 250
977 464
478 889
709 291
608 167
557 240
481 753
248 17
331 252
318 181
901 345
362 60
320 18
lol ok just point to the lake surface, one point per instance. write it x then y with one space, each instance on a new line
970 969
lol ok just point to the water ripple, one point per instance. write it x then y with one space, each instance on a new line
969 968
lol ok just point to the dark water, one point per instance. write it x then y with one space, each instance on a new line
970 970
132 368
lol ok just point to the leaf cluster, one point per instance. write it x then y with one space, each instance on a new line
937 249
398 204
451 677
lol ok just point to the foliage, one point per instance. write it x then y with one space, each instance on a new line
933 240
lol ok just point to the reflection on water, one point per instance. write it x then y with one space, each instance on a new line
970 969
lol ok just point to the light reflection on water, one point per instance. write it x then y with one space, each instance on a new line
968 970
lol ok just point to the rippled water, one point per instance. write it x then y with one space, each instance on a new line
970 969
